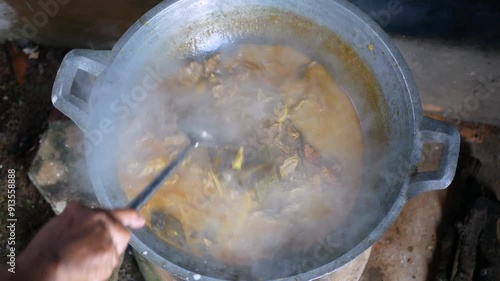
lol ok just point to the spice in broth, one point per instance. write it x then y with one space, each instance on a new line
288 179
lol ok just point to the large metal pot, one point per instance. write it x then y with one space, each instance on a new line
381 88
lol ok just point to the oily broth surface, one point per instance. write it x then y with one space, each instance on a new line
202 209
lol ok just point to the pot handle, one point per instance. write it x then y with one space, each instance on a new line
437 132
74 104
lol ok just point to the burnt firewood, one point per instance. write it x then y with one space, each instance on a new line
469 233
458 201
488 259
478 254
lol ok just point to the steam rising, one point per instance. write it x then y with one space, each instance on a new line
279 208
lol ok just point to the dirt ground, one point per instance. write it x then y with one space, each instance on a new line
24 111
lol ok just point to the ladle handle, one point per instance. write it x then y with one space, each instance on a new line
141 198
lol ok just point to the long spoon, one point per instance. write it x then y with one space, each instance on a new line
196 137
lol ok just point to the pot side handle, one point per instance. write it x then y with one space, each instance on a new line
74 104
437 132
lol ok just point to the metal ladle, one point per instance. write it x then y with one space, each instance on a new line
195 138
197 133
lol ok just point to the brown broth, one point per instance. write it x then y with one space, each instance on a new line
235 225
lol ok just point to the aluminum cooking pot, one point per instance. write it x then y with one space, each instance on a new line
98 90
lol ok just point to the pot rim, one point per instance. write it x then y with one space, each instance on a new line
375 233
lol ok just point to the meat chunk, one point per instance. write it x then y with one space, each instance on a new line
192 73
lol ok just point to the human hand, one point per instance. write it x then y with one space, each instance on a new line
81 244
